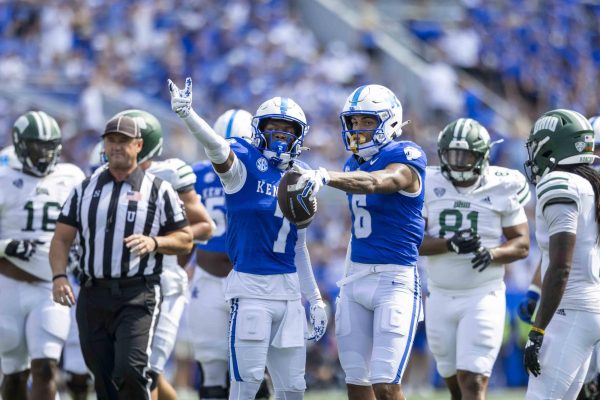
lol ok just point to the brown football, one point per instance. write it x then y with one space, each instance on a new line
298 209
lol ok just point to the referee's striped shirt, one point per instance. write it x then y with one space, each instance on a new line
105 212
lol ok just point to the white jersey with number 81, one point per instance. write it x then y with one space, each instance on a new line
496 203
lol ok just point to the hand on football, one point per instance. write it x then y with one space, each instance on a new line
22 249
532 352
483 258
312 180
181 100
464 241
318 321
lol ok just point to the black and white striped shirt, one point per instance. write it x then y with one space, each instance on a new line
105 212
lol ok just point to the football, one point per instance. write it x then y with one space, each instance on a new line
296 208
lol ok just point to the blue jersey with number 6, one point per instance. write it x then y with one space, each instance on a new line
208 186
388 228
260 240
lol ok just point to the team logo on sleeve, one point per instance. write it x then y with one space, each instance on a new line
439 192
412 153
262 164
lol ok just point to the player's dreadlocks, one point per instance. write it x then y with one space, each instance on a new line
593 176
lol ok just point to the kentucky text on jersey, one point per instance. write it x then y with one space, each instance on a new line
267 188
260 240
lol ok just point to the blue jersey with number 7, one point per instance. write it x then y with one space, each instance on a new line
388 228
260 240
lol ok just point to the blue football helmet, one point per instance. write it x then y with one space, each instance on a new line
380 103
280 152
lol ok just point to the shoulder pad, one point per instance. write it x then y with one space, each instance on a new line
557 185
71 170
181 174
511 183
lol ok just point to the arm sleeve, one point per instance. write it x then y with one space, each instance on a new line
217 148
308 284
561 217
234 179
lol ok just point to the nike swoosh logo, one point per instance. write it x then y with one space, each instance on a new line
374 161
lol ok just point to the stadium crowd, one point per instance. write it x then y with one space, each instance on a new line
248 51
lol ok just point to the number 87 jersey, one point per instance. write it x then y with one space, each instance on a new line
494 203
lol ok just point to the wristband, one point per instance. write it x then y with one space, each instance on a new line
538 330
55 277
155 243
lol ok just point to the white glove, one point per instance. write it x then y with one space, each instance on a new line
312 180
181 100
318 320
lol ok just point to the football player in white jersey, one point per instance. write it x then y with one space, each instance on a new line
475 225
567 323
174 281
33 328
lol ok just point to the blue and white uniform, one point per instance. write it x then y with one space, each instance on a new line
267 322
379 305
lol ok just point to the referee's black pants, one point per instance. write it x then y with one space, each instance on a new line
116 320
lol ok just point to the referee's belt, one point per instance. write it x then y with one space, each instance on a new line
120 283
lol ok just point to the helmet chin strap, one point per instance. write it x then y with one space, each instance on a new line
368 153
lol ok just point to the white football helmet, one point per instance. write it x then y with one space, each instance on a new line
375 101
279 152
234 123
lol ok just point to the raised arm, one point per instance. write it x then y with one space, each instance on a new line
217 148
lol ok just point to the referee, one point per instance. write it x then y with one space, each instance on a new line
125 221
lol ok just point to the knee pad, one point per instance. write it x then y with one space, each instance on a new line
44 369
244 390
55 320
287 395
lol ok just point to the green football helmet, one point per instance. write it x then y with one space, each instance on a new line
37 140
464 150
558 137
152 133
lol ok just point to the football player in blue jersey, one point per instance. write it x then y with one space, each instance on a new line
379 305
271 266
209 334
